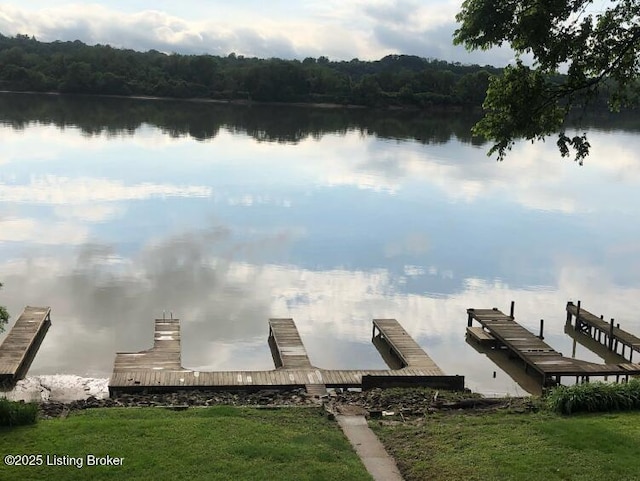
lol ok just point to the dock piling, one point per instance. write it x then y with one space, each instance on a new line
538 356
611 335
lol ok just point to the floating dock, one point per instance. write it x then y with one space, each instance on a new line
537 355
19 348
608 334
158 369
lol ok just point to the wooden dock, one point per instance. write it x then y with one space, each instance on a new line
538 355
507 364
592 345
158 369
288 352
19 348
401 349
605 333
164 355
287 348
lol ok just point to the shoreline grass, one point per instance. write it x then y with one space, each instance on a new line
216 443
595 397
504 446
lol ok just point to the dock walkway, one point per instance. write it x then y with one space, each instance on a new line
287 348
164 355
402 346
288 352
19 348
537 354
603 332
158 369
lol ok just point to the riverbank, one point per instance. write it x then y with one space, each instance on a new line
504 445
216 443
61 394
249 103
485 442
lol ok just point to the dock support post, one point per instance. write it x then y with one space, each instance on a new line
512 309
569 316
611 335
469 319
541 336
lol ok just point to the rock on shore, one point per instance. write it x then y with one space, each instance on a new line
57 388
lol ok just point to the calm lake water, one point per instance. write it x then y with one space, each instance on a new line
114 211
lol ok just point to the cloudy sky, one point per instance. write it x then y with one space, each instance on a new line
338 29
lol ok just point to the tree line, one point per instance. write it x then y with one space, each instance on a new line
27 64
202 121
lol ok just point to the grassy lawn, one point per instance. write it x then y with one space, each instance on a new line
503 446
217 443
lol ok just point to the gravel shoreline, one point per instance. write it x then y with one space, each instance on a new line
59 395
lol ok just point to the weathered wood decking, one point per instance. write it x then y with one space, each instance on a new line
19 348
288 352
138 379
592 345
606 333
287 348
164 355
537 354
402 346
158 369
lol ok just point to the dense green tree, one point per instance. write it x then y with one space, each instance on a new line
395 80
597 46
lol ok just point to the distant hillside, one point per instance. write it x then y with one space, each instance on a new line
396 80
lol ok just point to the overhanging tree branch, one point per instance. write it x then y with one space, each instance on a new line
526 102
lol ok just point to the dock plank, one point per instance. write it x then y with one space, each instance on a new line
586 318
160 367
21 344
287 346
534 352
402 344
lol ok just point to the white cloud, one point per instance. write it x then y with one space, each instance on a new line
89 212
534 176
56 190
14 229
340 30
225 304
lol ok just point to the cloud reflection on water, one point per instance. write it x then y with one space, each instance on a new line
104 303
332 231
